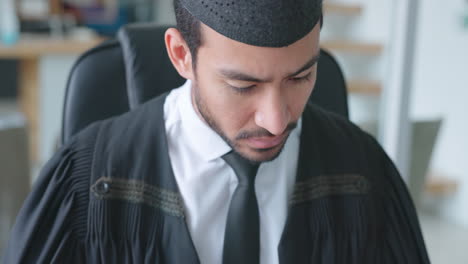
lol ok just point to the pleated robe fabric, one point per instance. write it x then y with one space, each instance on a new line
110 196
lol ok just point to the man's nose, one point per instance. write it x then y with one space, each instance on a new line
273 113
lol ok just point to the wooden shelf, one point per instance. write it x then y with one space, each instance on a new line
30 47
342 9
352 47
441 186
28 51
364 87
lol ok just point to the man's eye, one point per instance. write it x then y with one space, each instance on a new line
302 79
245 89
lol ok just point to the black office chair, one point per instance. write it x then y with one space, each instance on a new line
121 74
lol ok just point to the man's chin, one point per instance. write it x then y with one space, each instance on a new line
260 155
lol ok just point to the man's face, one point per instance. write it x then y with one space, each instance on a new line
253 96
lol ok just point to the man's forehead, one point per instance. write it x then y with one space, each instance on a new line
265 23
240 74
239 61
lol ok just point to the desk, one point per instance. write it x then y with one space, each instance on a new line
28 51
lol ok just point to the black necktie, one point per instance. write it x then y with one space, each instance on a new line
242 236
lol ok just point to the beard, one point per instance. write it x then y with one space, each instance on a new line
209 119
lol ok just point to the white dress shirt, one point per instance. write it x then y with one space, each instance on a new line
207 182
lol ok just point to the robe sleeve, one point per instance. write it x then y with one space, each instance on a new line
52 222
402 240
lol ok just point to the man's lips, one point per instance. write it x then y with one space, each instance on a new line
266 142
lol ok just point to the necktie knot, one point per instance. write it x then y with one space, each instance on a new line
244 169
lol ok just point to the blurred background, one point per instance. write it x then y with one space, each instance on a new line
405 64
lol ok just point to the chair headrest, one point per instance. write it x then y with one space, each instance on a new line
148 70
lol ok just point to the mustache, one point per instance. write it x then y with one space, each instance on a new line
263 132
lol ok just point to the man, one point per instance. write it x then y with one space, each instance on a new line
233 167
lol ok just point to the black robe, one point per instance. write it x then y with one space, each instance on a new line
110 196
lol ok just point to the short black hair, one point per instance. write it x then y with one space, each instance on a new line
190 29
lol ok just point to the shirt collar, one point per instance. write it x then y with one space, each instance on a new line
202 138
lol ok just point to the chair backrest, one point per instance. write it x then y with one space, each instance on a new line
121 74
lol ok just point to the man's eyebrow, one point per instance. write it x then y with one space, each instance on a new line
240 76
307 66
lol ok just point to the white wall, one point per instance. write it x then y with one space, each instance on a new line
441 90
53 75
372 26
164 12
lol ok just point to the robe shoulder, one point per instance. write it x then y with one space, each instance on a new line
346 148
52 224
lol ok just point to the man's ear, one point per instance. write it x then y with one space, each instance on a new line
179 53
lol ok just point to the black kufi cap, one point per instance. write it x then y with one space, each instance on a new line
266 23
